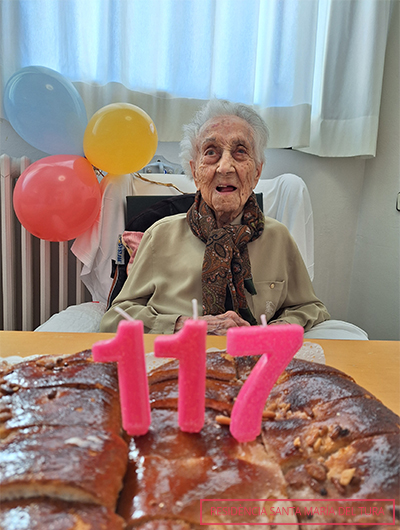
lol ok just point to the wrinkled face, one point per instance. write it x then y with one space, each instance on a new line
225 169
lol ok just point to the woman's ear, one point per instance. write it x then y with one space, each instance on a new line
193 169
258 174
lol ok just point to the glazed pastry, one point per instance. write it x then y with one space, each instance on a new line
50 514
65 458
59 418
322 437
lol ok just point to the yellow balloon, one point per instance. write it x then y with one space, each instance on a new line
120 138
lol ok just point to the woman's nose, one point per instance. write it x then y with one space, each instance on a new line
226 163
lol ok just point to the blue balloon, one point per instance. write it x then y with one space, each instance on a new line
46 110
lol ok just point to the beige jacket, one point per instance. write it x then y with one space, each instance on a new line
166 276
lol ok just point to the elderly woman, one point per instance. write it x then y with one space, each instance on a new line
224 253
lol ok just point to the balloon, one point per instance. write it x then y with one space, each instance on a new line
46 110
120 138
58 197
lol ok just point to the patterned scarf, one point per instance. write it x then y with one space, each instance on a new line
226 265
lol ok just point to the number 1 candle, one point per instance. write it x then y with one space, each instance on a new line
189 347
277 344
127 349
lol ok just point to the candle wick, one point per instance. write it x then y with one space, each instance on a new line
195 312
263 320
123 313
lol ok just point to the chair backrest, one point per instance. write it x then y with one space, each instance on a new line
144 210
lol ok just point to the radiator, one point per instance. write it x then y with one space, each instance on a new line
38 278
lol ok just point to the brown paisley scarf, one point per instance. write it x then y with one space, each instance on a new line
226 265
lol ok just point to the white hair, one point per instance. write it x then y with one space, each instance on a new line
213 109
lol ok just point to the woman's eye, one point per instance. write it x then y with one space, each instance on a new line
210 152
241 150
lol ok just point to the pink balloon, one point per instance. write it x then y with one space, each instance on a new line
58 197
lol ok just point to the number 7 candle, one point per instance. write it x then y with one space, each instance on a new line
127 349
277 344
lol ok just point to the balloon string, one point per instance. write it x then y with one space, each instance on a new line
167 184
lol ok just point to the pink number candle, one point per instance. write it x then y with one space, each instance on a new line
277 345
189 347
127 349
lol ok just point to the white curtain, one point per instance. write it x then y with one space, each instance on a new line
313 68
349 63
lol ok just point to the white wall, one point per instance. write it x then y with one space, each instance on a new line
356 224
375 282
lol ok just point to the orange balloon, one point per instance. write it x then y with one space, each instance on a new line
120 138
58 197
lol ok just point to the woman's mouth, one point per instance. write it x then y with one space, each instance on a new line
226 189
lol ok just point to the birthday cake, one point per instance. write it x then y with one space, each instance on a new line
66 463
